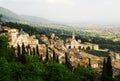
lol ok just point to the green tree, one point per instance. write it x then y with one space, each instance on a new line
18 50
32 59
57 72
117 78
41 57
23 49
89 62
47 57
34 69
4 46
57 60
109 67
85 74
23 57
67 62
54 56
37 50
16 70
107 72
34 52
4 70
12 55
104 72
31 52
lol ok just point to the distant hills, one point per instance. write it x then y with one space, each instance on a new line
9 16
37 19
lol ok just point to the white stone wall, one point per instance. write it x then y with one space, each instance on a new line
94 65
95 47
22 38
117 56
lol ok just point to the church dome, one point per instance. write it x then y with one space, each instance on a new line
21 32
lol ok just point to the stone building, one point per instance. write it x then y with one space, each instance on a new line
117 56
19 37
45 39
73 43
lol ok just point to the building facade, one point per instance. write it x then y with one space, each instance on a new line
19 37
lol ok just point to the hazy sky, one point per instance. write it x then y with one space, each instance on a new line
96 11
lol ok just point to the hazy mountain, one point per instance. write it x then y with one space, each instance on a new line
37 19
9 15
13 17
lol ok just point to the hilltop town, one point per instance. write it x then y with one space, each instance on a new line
72 47
59 40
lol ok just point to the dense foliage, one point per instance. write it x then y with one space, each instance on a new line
97 53
4 49
107 72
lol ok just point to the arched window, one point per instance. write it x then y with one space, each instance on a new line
69 47
88 48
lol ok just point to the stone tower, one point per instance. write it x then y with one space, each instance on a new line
52 36
73 35
13 34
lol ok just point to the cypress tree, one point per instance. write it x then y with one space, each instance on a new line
40 57
31 52
47 57
18 50
67 62
23 59
54 56
37 50
104 72
34 52
28 50
109 67
89 62
57 59
23 49
66 58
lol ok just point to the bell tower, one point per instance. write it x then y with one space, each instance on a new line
73 35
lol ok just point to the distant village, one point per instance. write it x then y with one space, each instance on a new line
74 48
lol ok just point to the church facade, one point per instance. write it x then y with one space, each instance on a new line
73 43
